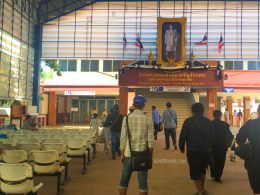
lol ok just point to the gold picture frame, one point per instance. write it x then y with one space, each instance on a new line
173 31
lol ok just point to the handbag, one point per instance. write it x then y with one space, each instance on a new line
140 161
245 150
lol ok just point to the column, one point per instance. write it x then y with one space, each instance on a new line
52 113
131 96
247 105
230 109
37 66
211 101
123 96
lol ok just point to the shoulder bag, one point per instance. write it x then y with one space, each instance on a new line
140 161
245 150
173 117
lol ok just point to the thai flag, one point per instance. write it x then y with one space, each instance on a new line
204 40
220 43
124 42
138 42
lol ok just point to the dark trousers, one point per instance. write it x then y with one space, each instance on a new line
115 143
219 157
156 130
170 132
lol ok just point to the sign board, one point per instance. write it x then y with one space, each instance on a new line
229 90
169 89
191 78
74 109
90 93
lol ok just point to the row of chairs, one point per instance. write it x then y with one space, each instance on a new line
43 163
18 179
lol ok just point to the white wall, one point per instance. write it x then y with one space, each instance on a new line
44 104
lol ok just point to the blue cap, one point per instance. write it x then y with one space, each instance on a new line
139 100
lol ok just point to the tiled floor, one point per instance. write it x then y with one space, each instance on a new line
169 176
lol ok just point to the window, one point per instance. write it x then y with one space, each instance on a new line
252 65
89 65
116 64
72 65
258 67
63 65
107 66
85 65
111 66
229 65
94 66
238 65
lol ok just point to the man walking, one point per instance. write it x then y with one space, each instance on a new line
115 128
156 121
142 137
197 135
169 122
222 140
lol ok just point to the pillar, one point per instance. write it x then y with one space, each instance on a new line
247 105
230 109
123 96
37 67
131 96
52 113
211 101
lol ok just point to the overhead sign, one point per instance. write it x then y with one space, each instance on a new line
169 89
90 93
229 90
191 78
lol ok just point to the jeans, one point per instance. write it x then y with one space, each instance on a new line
156 130
126 176
168 133
115 143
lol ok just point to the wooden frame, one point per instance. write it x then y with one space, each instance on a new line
171 54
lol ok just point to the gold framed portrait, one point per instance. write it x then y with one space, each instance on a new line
171 41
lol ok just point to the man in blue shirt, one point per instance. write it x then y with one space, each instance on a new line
156 121
169 121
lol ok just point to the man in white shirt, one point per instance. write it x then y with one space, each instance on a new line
142 136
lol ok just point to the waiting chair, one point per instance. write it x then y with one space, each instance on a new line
46 163
17 179
15 156
28 147
77 149
62 151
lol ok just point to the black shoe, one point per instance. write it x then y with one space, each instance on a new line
218 180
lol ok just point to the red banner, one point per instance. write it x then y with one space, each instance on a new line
192 78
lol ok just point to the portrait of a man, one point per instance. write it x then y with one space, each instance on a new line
171 41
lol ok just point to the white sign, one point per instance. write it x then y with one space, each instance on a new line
74 109
31 110
169 89
91 93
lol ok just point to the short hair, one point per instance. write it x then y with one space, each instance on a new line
140 107
217 113
168 104
153 107
95 115
27 117
258 108
116 107
197 108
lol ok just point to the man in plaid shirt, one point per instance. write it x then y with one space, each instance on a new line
142 136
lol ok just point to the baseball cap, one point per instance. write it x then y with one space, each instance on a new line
139 100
